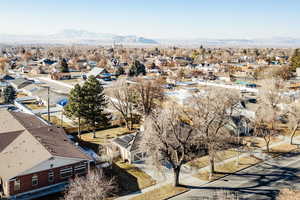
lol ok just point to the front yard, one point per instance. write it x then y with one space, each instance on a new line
163 192
221 155
131 178
229 168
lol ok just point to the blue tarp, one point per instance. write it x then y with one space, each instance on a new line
63 102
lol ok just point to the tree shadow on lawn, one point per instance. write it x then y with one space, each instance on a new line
127 183
279 177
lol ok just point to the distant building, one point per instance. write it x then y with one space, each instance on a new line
35 159
98 72
20 83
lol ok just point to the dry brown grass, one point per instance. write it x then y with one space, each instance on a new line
20 95
260 142
283 148
228 168
163 192
104 136
55 120
222 155
34 106
143 180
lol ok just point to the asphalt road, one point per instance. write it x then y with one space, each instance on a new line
259 182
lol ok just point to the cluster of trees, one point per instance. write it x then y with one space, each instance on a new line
179 134
87 104
137 69
140 98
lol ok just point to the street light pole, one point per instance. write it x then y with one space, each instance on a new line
48 104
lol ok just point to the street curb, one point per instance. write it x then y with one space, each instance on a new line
220 177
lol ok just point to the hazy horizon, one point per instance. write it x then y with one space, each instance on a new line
155 19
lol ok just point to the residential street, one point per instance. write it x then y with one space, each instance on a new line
262 181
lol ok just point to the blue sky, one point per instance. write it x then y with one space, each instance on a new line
155 18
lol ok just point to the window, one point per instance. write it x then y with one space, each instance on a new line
17 185
80 169
66 173
50 176
35 180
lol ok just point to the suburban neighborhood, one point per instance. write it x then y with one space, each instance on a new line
99 116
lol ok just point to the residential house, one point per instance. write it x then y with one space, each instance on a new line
36 159
20 83
98 72
128 147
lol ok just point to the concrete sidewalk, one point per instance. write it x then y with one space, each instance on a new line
188 179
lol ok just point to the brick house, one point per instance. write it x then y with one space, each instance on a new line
36 159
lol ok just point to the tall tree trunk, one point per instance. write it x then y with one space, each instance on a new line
293 134
212 166
268 146
176 171
94 130
127 124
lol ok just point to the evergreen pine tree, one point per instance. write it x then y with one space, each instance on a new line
75 106
94 104
9 94
137 68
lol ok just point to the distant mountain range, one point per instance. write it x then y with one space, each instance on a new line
71 36
267 42
74 37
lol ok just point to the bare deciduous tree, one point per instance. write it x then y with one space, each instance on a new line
123 100
149 94
266 117
168 138
210 115
93 187
293 120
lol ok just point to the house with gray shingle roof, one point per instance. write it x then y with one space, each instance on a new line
128 147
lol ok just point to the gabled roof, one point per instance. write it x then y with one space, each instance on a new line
96 71
7 138
26 142
129 142
21 154
20 81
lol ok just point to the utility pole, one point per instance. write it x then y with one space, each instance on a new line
238 149
48 103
